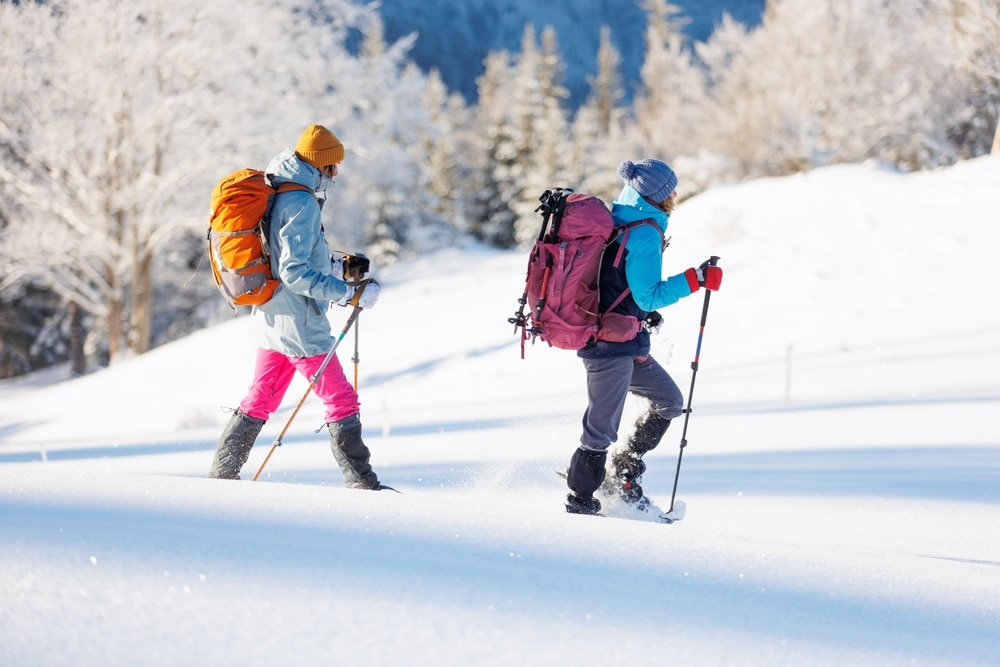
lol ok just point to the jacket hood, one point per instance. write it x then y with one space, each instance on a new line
631 206
286 167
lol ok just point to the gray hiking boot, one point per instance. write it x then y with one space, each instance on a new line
352 454
234 445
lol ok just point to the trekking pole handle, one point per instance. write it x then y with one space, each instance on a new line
712 261
356 299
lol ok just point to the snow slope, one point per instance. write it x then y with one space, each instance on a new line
841 480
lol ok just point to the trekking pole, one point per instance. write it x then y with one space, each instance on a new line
355 268
694 372
356 358
316 376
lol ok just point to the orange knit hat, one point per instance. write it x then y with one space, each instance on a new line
319 147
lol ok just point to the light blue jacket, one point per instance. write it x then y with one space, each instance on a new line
294 320
644 262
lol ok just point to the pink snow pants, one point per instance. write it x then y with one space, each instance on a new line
273 373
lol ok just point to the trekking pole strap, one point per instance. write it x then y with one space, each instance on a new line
356 298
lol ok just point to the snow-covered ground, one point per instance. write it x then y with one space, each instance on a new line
841 482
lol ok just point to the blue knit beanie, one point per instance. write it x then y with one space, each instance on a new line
653 179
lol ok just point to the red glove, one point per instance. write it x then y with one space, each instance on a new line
711 276
706 275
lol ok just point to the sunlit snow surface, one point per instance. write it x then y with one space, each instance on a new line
840 487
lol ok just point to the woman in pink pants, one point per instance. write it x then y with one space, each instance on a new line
291 329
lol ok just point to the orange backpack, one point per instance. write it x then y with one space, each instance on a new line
237 236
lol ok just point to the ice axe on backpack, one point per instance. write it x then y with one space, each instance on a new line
551 208
687 410
351 319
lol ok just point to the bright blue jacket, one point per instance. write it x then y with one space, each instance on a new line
294 320
643 270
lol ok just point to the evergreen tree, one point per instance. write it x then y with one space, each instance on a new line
975 40
544 127
386 192
607 88
599 128
668 108
496 185
447 151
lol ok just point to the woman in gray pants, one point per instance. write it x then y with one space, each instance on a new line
616 368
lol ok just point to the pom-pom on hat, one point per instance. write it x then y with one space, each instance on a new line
653 179
319 147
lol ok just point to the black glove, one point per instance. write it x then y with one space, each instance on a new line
653 321
356 268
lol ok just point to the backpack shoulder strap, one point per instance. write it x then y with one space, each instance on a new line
621 236
265 222
622 233
291 185
288 186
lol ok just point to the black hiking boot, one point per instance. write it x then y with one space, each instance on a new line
624 480
585 474
628 466
579 505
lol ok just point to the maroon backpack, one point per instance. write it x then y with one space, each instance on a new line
562 285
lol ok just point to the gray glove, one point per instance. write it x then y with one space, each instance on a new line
369 296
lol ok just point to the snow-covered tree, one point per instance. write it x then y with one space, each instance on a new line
542 120
600 141
669 105
824 81
495 184
975 37
101 112
525 134
382 204
607 87
118 117
447 154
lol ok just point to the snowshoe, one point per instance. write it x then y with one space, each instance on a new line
631 494
577 505
623 480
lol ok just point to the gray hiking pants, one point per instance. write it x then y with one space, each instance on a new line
609 381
